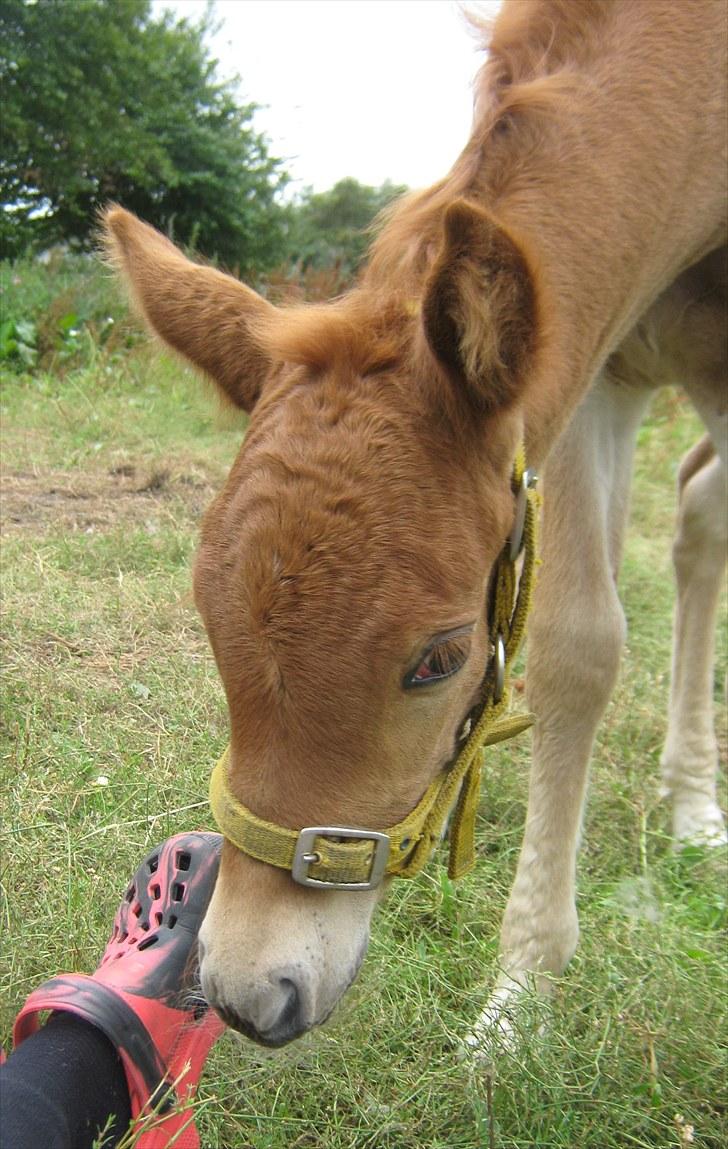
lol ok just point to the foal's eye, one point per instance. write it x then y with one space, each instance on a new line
444 656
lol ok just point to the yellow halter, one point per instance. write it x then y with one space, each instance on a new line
350 858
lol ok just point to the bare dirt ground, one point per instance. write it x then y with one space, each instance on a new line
46 501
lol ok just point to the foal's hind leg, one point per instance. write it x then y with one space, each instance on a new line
575 641
690 757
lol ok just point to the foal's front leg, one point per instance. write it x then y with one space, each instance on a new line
575 640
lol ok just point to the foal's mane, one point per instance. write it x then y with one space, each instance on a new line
535 52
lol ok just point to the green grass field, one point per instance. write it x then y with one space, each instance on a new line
113 717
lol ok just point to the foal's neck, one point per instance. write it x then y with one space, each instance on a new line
612 168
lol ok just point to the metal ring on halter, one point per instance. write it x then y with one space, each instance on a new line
499 668
515 539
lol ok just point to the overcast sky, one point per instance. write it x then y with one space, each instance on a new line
375 89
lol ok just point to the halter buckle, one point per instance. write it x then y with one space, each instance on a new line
305 856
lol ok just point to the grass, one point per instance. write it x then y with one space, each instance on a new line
113 716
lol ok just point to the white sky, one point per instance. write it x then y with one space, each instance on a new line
374 89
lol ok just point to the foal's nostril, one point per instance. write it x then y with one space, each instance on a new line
290 1014
272 1016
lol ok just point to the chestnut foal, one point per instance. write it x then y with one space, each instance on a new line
568 264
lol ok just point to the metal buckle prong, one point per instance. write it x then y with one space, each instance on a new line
499 668
305 855
515 539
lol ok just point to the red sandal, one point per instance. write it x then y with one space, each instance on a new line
145 995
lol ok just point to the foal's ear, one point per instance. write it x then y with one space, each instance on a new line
479 308
203 314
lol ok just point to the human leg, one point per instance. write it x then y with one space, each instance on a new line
144 997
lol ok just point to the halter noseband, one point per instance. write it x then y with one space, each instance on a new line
351 858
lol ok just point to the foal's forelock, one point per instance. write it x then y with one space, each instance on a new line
355 336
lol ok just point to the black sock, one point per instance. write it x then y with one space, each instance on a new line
62 1086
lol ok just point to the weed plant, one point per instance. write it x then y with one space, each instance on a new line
58 312
113 717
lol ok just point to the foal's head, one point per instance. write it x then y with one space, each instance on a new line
343 568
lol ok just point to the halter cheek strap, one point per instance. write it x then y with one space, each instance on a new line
354 858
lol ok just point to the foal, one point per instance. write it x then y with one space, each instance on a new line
569 263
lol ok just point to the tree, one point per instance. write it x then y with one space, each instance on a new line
102 102
331 228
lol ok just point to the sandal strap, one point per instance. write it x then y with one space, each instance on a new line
107 1010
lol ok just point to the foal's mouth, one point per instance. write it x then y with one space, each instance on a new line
275 1039
288 1027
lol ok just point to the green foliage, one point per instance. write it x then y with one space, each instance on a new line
102 102
17 341
331 228
58 313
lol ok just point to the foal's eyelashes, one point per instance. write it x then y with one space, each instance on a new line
442 657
